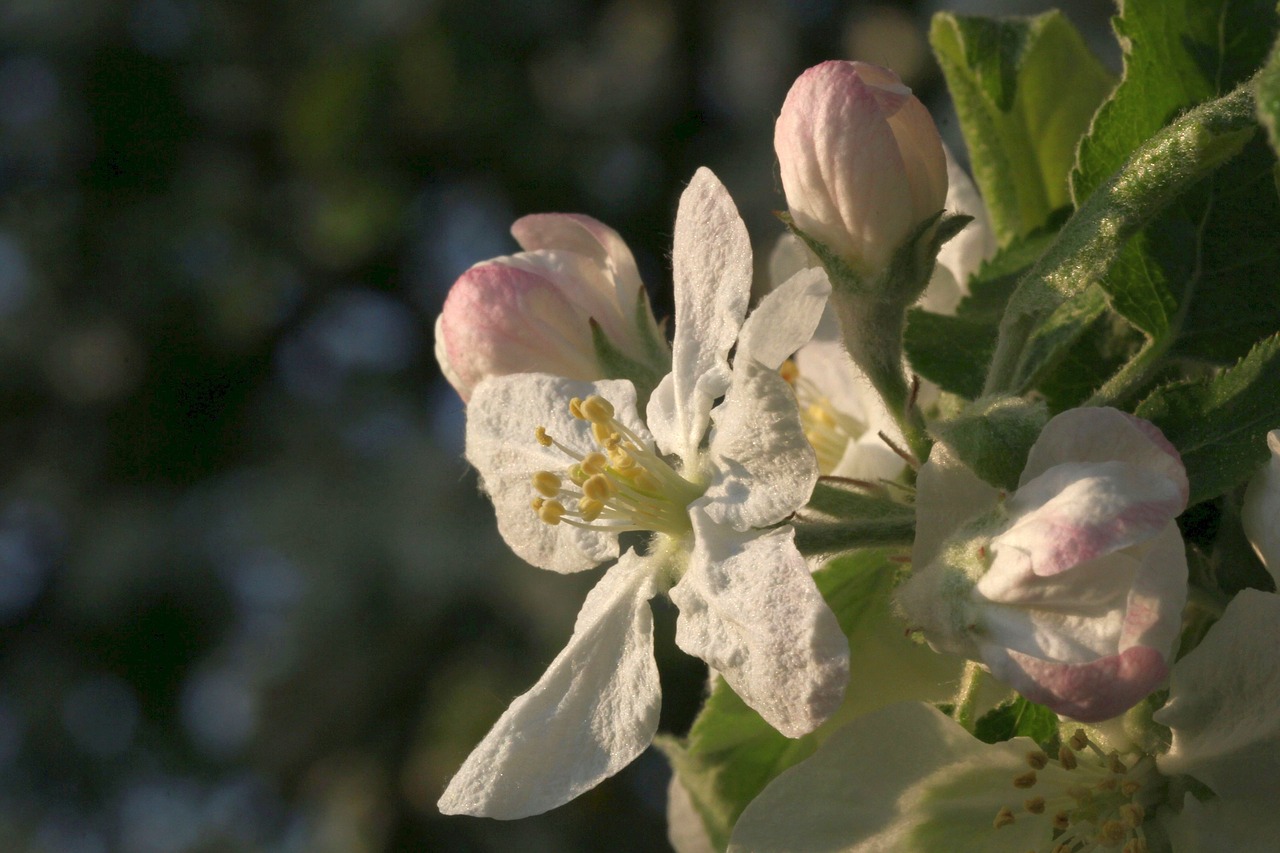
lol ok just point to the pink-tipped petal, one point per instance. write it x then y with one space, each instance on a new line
1088 692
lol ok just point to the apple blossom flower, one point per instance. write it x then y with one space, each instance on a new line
533 311
711 482
910 779
862 162
843 414
1071 589
1261 510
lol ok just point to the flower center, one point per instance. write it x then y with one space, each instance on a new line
827 429
1089 798
621 484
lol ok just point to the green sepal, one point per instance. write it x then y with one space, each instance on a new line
615 364
1219 425
993 436
843 515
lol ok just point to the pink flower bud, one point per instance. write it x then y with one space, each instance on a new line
862 162
1071 589
532 311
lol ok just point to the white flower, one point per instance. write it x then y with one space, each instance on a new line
711 481
1070 590
1261 510
842 413
909 779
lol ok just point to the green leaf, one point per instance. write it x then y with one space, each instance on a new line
1020 121
731 753
993 437
1220 425
1015 718
1090 242
1177 53
951 352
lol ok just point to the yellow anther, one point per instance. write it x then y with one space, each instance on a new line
546 484
1037 759
576 475
1079 740
599 488
1004 817
621 460
1061 821
590 509
1112 832
789 371
575 408
1026 780
595 463
1080 794
1067 758
550 512
1115 764
603 435
541 434
537 503
1035 805
1107 784
1129 787
1132 814
596 409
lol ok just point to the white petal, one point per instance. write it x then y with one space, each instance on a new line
585 236
947 495
904 779
1223 701
592 712
1220 826
750 609
685 830
961 256
784 320
1261 510
501 418
1104 435
763 466
712 269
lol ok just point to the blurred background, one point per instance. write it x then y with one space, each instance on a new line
250 598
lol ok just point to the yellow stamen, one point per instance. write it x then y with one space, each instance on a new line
546 484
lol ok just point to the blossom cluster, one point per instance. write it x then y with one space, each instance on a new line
724 460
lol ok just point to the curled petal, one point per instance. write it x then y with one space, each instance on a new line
1105 435
1261 510
750 609
784 320
763 467
1089 692
592 712
585 236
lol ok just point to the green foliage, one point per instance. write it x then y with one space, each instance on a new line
1220 425
1020 122
1269 97
994 435
842 516
731 753
1018 718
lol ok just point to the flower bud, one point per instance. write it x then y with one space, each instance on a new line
532 311
1071 589
1261 510
862 162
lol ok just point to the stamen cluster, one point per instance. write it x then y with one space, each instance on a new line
1089 797
621 485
